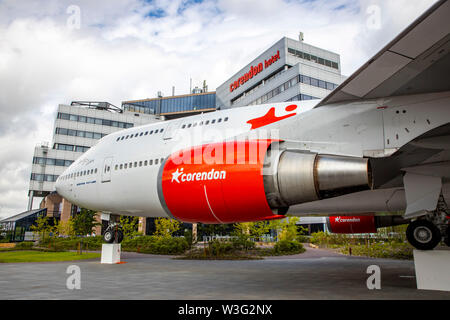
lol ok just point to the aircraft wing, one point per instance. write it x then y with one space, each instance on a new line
416 61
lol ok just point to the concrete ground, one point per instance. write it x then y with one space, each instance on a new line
315 274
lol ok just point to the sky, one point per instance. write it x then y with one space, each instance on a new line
56 51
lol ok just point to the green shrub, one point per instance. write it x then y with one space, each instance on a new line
156 245
288 247
217 248
72 243
302 238
24 246
387 250
242 242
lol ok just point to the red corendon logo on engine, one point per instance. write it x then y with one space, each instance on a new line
352 224
344 220
179 176
270 117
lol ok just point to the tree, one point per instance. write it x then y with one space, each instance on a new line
286 228
42 226
65 228
166 227
84 222
289 229
129 226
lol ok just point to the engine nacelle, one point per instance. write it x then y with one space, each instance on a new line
362 224
240 181
216 183
354 224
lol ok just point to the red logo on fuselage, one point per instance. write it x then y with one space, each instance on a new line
270 117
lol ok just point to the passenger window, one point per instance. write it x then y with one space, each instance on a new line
162 159
213 121
127 136
220 120
121 166
95 170
150 162
135 164
189 125
118 139
207 122
116 167
122 138
126 165
195 124
156 161
140 163
226 119
141 134
201 123
151 131
156 131
161 130
145 163
183 126
146 133
130 165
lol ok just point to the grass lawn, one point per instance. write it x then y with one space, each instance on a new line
39 256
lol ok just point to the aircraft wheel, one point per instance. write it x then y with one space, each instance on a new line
108 236
119 236
423 235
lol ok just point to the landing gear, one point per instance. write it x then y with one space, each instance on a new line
427 232
423 234
114 232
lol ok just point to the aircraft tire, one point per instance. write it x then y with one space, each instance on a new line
119 236
108 236
423 234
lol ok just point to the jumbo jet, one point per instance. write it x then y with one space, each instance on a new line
380 142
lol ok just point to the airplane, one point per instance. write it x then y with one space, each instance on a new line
380 142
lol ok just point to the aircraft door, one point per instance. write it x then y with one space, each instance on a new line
171 129
107 168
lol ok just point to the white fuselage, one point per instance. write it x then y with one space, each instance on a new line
98 180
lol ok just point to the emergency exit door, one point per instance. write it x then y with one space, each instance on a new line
106 172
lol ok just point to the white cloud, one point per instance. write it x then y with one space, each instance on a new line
122 51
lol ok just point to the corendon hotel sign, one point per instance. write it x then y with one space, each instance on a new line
254 71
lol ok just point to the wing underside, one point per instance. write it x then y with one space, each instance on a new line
416 61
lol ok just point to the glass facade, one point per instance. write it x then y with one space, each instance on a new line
313 58
300 78
172 104
15 228
70 147
52 162
103 122
79 133
43 177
